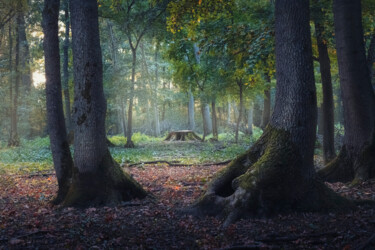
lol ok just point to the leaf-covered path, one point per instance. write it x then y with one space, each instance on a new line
27 221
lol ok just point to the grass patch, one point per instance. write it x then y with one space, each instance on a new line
35 155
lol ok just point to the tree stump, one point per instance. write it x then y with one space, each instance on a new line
183 135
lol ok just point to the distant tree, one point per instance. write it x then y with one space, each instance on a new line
356 158
62 159
97 178
327 122
277 173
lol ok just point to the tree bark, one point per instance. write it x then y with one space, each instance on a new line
250 119
214 121
356 159
97 178
191 111
266 105
328 127
371 57
62 159
14 140
155 94
24 54
65 78
229 108
277 174
129 132
240 86
257 113
123 117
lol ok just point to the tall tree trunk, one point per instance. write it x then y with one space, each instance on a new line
129 132
327 106
123 117
320 121
371 56
240 85
214 120
250 119
356 158
97 178
191 111
14 140
229 109
277 173
62 159
206 118
65 78
24 55
267 104
257 113
155 94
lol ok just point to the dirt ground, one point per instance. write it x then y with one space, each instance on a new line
28 221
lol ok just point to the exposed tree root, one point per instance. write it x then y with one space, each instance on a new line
109 185
266 180
338 170
351 165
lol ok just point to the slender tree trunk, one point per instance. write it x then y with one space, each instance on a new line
191 111
240 85
214 121
229 113
123 117
65 78
11 79
97 178
356 158
371 56
250 119
129 142
206 118
24 55
257 113
327 106
277 173
267 104
320 121
155 94
62 159
14 140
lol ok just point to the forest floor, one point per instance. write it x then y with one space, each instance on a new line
28 221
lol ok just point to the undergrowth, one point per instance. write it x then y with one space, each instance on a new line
35 155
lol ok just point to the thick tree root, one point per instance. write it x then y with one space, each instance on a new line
266 180
109 185
338 170
351 165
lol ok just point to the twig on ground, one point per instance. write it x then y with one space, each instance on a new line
177 164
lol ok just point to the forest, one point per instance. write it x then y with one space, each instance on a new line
187 124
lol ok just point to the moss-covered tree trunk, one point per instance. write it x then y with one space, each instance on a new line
277 173
97 178
62 159
356 159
